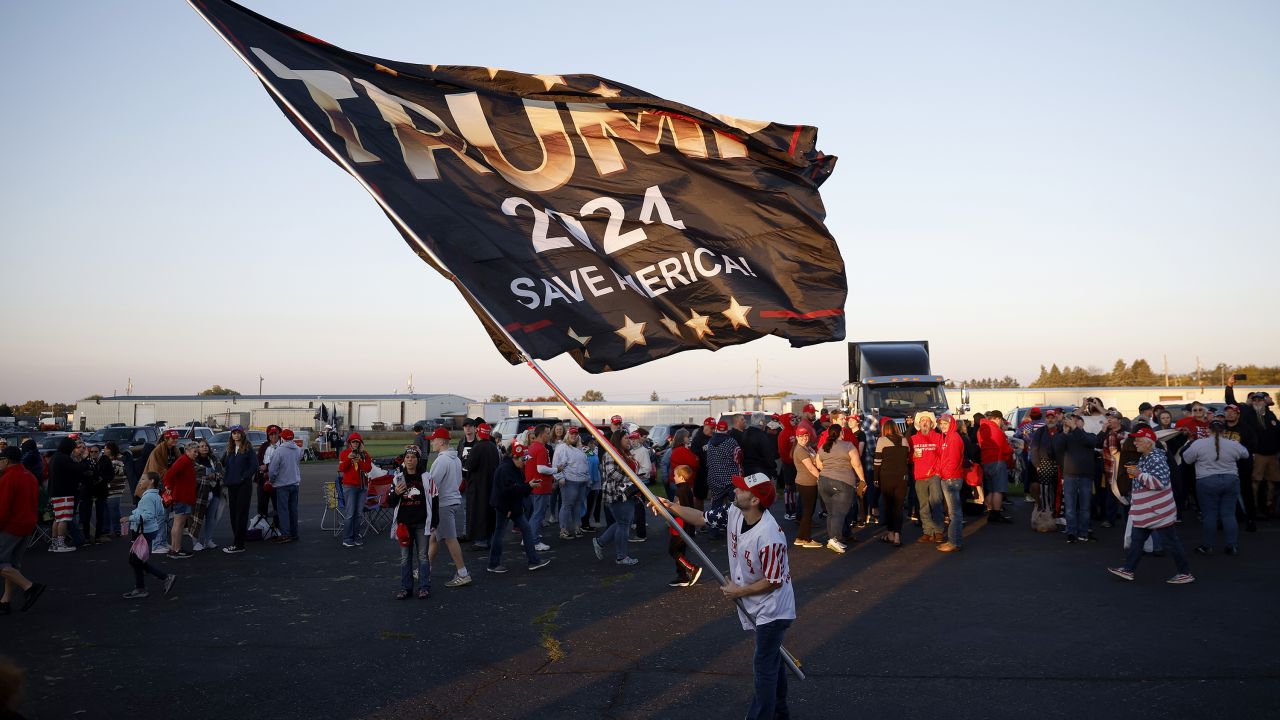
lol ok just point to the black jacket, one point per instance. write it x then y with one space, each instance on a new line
756 457
509 489
1044 443
1074 451
413 510
479 467
64 474
1266 429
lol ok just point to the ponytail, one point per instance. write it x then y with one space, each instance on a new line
832 437
1217 447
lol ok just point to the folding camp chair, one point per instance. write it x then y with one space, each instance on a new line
377 513
44 521
335 510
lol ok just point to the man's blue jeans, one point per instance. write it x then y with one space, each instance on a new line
951 493
541 503
618 531
929 493
287 508
500 534
770 699
353 500
1077 499
1217 495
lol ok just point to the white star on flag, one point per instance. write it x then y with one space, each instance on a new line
605 91
632 332
582 339
699 323
736 313
550 80
670 325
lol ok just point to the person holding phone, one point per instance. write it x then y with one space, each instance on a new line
354 465
411 498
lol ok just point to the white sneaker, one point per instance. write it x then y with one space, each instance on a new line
197 547
211 545
835 545
161 550
459 581
63 548
542 547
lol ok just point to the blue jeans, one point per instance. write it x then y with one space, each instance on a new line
210 513
1166 538
113 514
929 493
417 546
353 499
838 498
1217 495
1077 498
500 533
541 504
571 506
287 508
617 532
770 699
955 508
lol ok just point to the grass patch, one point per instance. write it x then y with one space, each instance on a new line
612 580
389 635
546 620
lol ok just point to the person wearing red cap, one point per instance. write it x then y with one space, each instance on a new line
285 474
1152 510
572 475
539 473
698 445
509 490
446 476
997 460
477 471
724 460
266 495
787 468
760 577
354 464
616 490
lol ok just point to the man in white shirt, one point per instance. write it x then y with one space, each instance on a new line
760 577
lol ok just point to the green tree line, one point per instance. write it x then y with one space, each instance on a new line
1140 373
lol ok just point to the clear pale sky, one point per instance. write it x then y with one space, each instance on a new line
1018 183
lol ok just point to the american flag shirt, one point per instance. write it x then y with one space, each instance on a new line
759 553
1152 505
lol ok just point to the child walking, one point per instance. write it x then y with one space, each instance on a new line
686 572
146 520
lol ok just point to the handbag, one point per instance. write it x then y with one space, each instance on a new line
1042 520
166 497
140 548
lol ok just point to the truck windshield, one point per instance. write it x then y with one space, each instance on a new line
901 400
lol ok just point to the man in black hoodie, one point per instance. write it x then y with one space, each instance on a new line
478 466
1266 429
64 484
1244 434
509 491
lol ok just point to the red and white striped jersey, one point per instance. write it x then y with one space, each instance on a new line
760 553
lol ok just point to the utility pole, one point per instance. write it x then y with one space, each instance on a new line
757 383
1166 370
128 389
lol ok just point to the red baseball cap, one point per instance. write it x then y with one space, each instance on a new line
1233 407
167 434
273 429
722 426
440 434
286 434
709 421
809 408
1143 432
757 484
634 436
518 451
483 431
616 420
572 430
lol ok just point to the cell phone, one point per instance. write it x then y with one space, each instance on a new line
1241 376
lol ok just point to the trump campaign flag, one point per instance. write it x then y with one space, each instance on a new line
576 214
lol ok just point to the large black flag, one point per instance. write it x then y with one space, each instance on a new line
580 214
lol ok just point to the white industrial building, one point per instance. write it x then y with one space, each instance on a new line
647 413
1124 399
359 412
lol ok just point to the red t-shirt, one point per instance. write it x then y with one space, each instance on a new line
1197 428
538 456
682 456
926 454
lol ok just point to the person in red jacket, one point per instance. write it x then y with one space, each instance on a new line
19 498
926 457
997 460
951 471
180 483
538 473
787 474
354 464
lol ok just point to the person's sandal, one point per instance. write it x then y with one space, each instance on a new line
423 594
403 594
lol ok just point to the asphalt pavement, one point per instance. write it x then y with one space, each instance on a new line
1018 625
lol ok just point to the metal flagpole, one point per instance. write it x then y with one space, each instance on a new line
407 231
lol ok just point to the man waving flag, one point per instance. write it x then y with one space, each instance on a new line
575 213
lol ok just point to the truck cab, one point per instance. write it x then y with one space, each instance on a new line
893 379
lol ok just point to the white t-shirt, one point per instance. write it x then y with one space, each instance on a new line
760 552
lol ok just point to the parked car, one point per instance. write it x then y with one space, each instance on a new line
513 426
195 432
124 436
1018 414
218 445
660 435
1181 410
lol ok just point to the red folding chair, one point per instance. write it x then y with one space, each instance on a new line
377 513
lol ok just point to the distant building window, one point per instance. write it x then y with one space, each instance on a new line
266 405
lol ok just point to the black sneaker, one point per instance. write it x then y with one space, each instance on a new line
33 593
1204 550
678 582
1071 539
1232 550
180 555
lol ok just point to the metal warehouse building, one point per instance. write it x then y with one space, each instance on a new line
356 411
